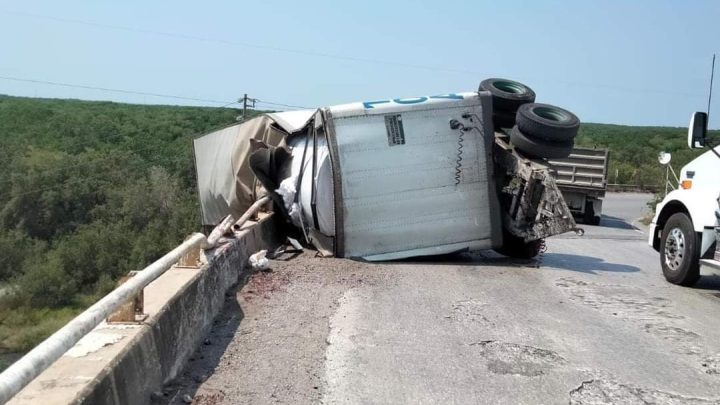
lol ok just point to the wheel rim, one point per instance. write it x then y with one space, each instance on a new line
674 249
510 87
551 114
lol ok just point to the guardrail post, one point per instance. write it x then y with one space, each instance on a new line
191 259
132 311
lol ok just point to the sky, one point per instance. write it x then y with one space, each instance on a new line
622 62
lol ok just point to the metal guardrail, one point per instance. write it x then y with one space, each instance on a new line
20 373
652 188
23 371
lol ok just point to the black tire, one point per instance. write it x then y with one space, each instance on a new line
517 248
680 251
502 119
589 216
507 95
547 122
540 148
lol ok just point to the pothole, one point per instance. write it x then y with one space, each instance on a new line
601 392
511 358
635 305
711 364
470 311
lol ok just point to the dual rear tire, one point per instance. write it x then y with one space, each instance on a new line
544 131
507 97
538 130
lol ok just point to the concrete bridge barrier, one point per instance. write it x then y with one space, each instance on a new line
126 363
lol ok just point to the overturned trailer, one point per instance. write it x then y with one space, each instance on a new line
395 178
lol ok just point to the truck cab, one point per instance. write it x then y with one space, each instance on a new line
684 229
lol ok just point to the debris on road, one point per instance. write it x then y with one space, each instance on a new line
258 261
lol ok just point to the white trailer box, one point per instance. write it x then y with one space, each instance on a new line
410 184
387 179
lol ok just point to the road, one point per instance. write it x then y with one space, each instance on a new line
592 321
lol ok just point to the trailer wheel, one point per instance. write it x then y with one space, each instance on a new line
540 148
680 251
515 247
507 95
589 217
547 122
503 119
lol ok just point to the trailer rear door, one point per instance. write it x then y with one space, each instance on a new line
408 183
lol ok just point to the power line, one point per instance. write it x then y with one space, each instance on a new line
142 93
236 43
282 105
129 149
229 104
329 55
143 165
134 92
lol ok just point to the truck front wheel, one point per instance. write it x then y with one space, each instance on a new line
679 251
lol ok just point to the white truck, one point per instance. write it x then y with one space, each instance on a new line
582 179
685 228
389 178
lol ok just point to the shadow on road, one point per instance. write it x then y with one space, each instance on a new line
708 282
477 258
614 222
584 264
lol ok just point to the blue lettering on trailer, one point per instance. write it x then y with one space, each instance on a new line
410 100
417 100
369 104
451 96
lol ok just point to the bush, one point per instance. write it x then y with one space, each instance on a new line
15 247
23 328
44 284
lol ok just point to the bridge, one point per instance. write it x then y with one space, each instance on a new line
591 318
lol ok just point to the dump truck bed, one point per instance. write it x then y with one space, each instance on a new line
585 169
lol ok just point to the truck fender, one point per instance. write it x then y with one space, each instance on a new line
696 205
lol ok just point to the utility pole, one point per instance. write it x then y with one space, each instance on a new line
244 106
245 100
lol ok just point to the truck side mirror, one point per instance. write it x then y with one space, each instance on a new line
697 131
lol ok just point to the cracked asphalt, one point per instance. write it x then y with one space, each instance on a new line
592 321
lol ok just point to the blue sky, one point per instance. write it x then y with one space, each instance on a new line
624 62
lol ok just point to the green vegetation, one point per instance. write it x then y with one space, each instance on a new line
92 190
88 192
